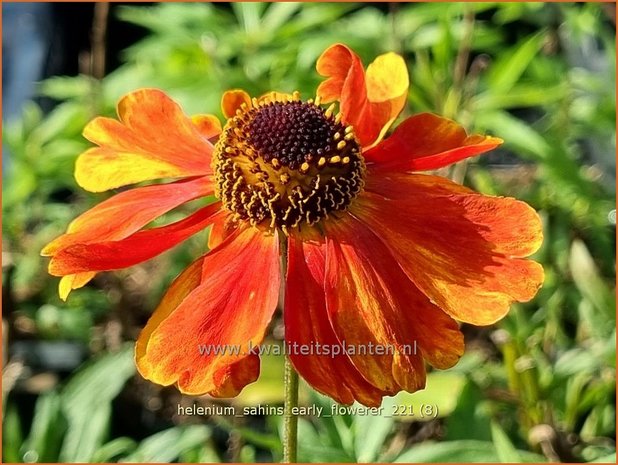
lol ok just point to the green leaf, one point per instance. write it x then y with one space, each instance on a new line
459 452
67 118
516 133
11 435
519 96
278 14
167 445
470 418
249 14
607 459
113 449
507 70
64 87
316 447
86 403
587 279
504 447
47 430
371 432
453 451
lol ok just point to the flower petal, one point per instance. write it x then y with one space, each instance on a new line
227 312
136 248
182 286
427 142
73 281
153 139
231 379
208 125
222 228
370 102
460 248
232 100
125 213
306 325
371 300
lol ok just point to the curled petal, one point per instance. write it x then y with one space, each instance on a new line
208 125
73 281
369 101
213 317
153 139
231 379
427 142
136 248
306 324
232 100
371 300
463 250
125 213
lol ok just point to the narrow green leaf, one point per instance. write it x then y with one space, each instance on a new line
517 134
588 281
167 445
371 431
86 403
278 14
11 435
508 69
453 451
607 459
47 430
249 14
504 447
114 448
459 452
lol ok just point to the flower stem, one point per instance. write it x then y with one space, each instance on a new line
290 377
290 421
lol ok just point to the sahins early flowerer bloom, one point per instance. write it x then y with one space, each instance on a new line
376 253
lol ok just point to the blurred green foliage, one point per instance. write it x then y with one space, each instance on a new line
539 386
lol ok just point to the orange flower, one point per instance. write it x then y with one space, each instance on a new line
377 255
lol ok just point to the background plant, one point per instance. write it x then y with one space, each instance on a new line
538 386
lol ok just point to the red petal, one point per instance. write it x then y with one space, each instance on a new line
306 324
370 299
460 248
125 213
153 139
222 228
231 379
141 246
368 101
182 286
228 311
427 142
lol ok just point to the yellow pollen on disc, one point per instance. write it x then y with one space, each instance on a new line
281 163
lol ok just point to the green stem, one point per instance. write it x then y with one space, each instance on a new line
290 377
290 420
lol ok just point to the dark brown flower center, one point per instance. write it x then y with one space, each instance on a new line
280 164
